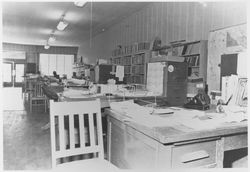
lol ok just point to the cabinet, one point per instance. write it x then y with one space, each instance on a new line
128 148
134 59
168 78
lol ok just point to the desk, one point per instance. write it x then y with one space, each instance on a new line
132 145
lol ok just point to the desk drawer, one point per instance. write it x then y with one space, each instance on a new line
194 154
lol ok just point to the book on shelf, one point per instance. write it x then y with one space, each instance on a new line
197 63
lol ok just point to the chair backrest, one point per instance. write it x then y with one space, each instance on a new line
72 116
37 89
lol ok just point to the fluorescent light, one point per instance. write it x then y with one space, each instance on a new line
46 46
80 3
52 38
62 25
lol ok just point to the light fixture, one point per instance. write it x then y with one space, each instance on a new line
62 25
52 38
46 46
80 3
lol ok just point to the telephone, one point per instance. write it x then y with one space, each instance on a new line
200 101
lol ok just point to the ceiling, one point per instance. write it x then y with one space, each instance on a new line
33 22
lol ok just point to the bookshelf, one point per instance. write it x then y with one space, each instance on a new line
134 58
195 54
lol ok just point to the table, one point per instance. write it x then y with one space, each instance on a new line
132 145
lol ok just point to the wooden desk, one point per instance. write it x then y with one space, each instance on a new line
134 146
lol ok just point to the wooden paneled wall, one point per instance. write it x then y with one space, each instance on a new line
170 20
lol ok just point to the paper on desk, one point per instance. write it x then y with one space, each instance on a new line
54 84
141 115
185 117
162 111
214 120
72 93
77 81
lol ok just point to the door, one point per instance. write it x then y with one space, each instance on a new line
8 80
13 74
19 75
13 77
228 65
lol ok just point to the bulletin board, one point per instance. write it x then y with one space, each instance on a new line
224 41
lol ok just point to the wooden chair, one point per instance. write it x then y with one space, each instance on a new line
37 97
87 114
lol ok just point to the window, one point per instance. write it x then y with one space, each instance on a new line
60 63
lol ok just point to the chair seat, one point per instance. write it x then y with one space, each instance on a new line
95 165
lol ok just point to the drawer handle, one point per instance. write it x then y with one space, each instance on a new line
126 120
194 156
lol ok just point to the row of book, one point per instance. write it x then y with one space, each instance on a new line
136 69
138 59
131 48
193 61
129 60
185 49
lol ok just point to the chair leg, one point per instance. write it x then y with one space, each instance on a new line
45 105
30 105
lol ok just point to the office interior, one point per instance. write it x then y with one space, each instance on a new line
134 85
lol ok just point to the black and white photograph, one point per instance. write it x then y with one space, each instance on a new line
112 85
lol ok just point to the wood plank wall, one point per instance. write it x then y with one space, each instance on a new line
170 20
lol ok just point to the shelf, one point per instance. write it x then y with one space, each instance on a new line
131 54
189 55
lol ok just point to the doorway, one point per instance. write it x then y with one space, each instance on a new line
13 82
13 74
228 66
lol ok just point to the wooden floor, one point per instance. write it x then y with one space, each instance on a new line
25 145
